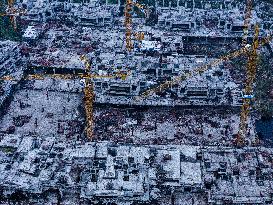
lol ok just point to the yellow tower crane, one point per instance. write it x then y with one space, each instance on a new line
247 19
196 71
88 99
88 89
12 13
248 91
128 23
199 70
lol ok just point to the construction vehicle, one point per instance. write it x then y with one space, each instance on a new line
248 91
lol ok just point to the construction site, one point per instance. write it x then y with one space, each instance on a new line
123 102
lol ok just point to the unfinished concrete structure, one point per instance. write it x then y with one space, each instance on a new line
43 170
174 146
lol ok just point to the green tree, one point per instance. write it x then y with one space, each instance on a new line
7 31
263 86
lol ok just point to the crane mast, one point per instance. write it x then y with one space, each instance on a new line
12 17
88 99
248 91
128 25
248 14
